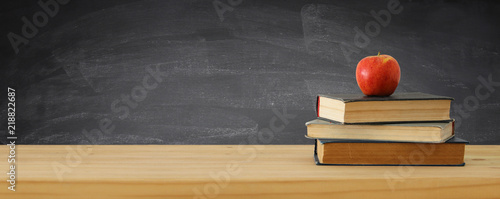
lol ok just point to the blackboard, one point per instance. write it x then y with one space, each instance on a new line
233 72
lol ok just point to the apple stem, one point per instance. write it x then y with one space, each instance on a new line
378 53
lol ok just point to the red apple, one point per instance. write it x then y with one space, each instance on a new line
378 75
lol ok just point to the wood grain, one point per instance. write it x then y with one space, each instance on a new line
235 171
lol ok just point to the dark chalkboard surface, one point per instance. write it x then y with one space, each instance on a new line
233 72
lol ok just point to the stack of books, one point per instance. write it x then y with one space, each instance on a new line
401 129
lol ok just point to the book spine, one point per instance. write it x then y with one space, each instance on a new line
317 106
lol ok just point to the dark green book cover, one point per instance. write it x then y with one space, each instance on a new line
394 97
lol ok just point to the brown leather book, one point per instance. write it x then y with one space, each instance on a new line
362 152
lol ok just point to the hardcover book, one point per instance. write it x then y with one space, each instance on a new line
399 107
377 153
432 132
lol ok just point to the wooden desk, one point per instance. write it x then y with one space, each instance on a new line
232 171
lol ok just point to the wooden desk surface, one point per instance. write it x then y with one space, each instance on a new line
232 171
